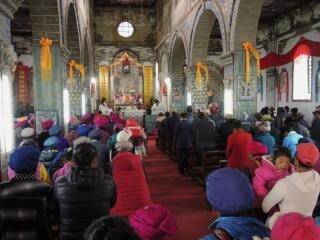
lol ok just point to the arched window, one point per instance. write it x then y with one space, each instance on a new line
302 78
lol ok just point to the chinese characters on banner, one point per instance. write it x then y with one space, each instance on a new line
104 82
147 84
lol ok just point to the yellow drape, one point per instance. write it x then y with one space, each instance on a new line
77 66
45 59
200 69
249 48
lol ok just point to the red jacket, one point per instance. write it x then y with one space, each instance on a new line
238 149
132 188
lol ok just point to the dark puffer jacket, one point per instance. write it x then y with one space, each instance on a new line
26 209
83 196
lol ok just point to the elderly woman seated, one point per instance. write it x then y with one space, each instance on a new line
132 188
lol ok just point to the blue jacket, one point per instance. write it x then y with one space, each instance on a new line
291 142
267 140
239 228
183 134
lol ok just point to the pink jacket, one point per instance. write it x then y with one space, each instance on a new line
267 176
61 172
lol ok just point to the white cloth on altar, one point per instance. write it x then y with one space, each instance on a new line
105 110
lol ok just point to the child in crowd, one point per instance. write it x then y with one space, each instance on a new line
153 222
272 169
231 196
67 161
299 191
291 139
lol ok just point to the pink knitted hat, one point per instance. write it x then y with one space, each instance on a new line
46 125
294 226
153 222
100 121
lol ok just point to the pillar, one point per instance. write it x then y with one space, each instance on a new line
7 63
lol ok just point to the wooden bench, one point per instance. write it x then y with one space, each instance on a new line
211 160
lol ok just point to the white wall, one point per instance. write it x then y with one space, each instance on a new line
305 107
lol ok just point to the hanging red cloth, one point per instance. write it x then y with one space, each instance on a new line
303 47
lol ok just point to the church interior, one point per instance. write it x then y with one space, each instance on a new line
205 95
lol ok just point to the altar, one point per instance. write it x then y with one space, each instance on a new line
137 114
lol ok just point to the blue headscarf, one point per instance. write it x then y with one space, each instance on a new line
83 130
241 228
229 191
24 159
55 130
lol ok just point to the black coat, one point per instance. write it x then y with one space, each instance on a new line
26 209
103 157
83 196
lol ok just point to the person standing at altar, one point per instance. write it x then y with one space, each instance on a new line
131 107
104 108
157 108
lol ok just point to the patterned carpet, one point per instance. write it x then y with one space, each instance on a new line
180 194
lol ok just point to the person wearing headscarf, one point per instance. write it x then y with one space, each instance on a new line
231 196
20 220
102 151
265 137
73 128
153 222
28 133
41 171
132 187
86 118
113 139
294 226
24 161
44 135
298 192
101 122
67 164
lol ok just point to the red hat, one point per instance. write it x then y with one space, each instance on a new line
293 226
257 148
131 122
307 153
46 125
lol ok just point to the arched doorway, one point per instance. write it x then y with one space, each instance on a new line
178 79
206 49
75 79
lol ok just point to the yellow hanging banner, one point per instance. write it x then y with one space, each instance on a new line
45 59
249 48
147 84
104 82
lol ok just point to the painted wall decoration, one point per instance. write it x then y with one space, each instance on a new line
245 90
147 84
23 88
283 84
317 80
104 82
127 80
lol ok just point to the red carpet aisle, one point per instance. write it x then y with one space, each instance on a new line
180 194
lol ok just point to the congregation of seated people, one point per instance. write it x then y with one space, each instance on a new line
88 183
260 177
276 157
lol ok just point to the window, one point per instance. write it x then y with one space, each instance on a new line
302 78
125 29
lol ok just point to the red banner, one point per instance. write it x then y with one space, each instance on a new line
303 47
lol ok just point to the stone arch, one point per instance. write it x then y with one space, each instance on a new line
73 36
178 58
206 18
245 20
